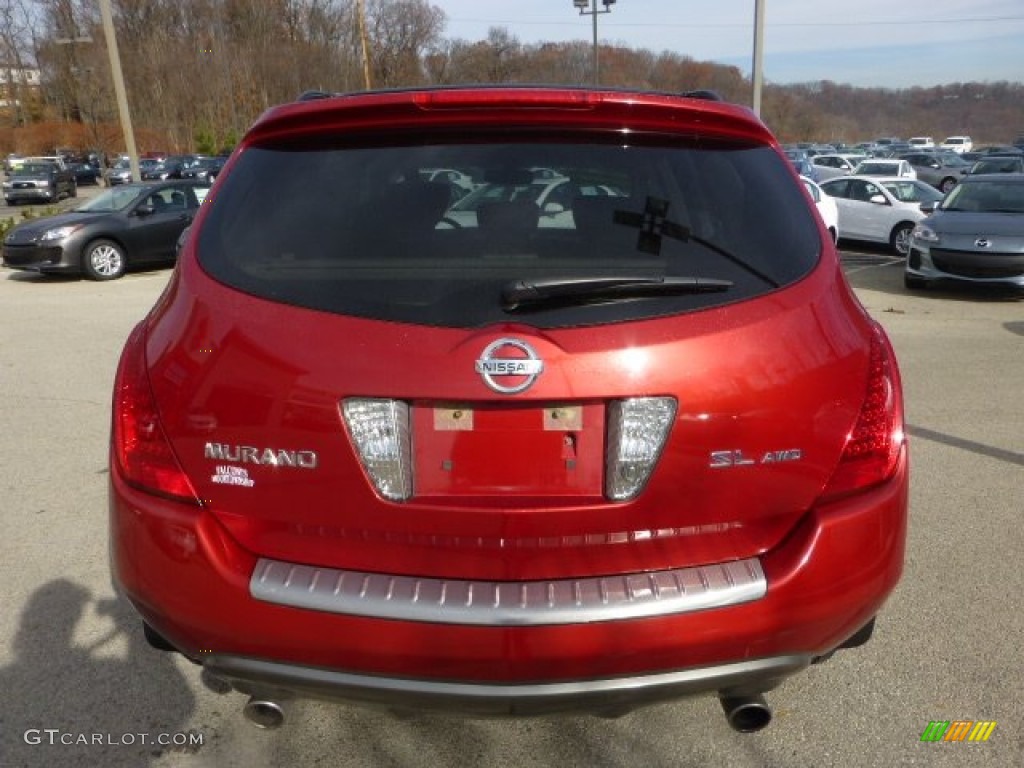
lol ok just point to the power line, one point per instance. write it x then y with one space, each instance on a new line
736 25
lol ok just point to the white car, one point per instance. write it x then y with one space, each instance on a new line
459 183
826 205
883 166
958 144
552 198
880 210
450 175
921 142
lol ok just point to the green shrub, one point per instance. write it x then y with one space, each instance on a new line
6 225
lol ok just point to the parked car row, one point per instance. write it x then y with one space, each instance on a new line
70 157
974 233
941 168
893 147
162 168
867 198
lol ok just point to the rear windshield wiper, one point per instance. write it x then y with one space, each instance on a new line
520 294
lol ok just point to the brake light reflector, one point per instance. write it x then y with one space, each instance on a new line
637 430
380 431
873 446
144 455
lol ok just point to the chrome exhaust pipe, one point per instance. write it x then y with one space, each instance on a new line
746 714
264 713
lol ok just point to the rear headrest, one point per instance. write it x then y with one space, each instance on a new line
416 205
595 214
508 216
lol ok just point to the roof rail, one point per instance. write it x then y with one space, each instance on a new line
703 94
314 95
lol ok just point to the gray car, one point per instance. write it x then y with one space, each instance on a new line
976 235
126 226
998 164
943 170
832 165
39 181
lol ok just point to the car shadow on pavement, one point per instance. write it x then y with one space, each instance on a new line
36 278
84 688
888 278
876 268
968 293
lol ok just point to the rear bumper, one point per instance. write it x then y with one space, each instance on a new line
192 582
273 680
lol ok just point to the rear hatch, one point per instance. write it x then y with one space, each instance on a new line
664 373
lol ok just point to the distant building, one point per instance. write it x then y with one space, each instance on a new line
13 80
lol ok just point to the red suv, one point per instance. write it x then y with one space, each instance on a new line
578 452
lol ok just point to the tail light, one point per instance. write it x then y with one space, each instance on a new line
380 431
874 445
143 453
637 429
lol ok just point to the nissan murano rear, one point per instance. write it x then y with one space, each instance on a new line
590 420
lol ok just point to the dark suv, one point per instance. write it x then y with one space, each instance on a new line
577 451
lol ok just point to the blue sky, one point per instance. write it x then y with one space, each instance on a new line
860 42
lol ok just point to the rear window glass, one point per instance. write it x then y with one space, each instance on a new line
432 234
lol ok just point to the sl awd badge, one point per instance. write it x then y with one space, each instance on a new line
509 366
736 458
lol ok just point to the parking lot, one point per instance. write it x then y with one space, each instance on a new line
80 686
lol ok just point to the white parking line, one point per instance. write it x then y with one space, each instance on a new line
863 267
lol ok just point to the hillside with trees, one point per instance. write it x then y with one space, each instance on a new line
198 72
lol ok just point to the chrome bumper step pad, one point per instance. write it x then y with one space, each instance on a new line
494 603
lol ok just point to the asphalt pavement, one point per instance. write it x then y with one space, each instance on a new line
79 687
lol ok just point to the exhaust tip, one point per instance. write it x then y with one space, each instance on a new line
264 713
746 714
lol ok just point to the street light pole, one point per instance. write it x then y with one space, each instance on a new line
757 66
581 5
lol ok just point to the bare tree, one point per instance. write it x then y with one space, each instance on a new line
198 72
498 59
401 32
17 60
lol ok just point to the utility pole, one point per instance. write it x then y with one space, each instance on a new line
361 18
119 89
